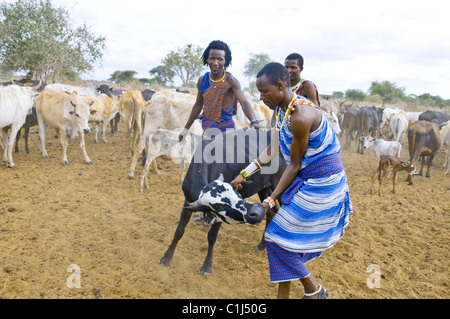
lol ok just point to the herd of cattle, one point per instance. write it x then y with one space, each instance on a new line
155 119
152 117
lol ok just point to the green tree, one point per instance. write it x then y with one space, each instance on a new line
38 38
388 91
161 75
185 62
122 76
254 64
338 94
355 95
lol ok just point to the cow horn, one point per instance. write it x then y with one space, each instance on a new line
73 104
38 86
220 179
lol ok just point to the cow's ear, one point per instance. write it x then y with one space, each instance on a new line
220 179
93 111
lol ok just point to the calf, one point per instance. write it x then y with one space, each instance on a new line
381 147
389 162
165 143
230 159
220 202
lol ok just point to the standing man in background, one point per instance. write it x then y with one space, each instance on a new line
306 88
218 93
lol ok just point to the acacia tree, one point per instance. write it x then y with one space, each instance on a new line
254 64
38 38
186 63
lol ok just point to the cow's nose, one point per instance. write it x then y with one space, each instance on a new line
256 213
86 130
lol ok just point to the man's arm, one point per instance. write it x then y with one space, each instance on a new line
310 91
195 112
246 106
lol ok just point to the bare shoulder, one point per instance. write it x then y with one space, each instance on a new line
305 116
232 80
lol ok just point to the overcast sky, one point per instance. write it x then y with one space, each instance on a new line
345 44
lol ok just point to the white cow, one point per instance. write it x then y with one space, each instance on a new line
382 147
445 133
88 90
262 113
66 112
398 124
164 143
15 103
411 116
334 122
387 112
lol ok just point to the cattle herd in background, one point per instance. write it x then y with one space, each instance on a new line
153 117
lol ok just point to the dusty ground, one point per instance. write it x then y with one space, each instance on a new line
93 216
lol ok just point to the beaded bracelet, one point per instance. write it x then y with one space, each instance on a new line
250 169
270 201
254 121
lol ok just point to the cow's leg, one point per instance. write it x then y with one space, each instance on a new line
448 162
96 133
87 160
26 135
104 126
5 146
140 148
16 148
394 177
373 181
421 167
12 133
42 129
430 160
64 144
212 237
179 232
144 175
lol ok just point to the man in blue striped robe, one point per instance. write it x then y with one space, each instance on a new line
313 189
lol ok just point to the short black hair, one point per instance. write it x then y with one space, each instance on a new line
296 56
275 72
217 45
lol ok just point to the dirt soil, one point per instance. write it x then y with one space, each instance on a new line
53 216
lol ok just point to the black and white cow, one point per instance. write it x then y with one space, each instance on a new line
227 154
220 202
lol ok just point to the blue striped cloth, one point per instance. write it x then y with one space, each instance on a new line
314 211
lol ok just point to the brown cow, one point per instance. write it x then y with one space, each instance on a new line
131 106
424 139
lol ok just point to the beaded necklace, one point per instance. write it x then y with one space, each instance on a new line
223 77
287 115
294 88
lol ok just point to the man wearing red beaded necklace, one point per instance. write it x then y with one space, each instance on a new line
218 106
